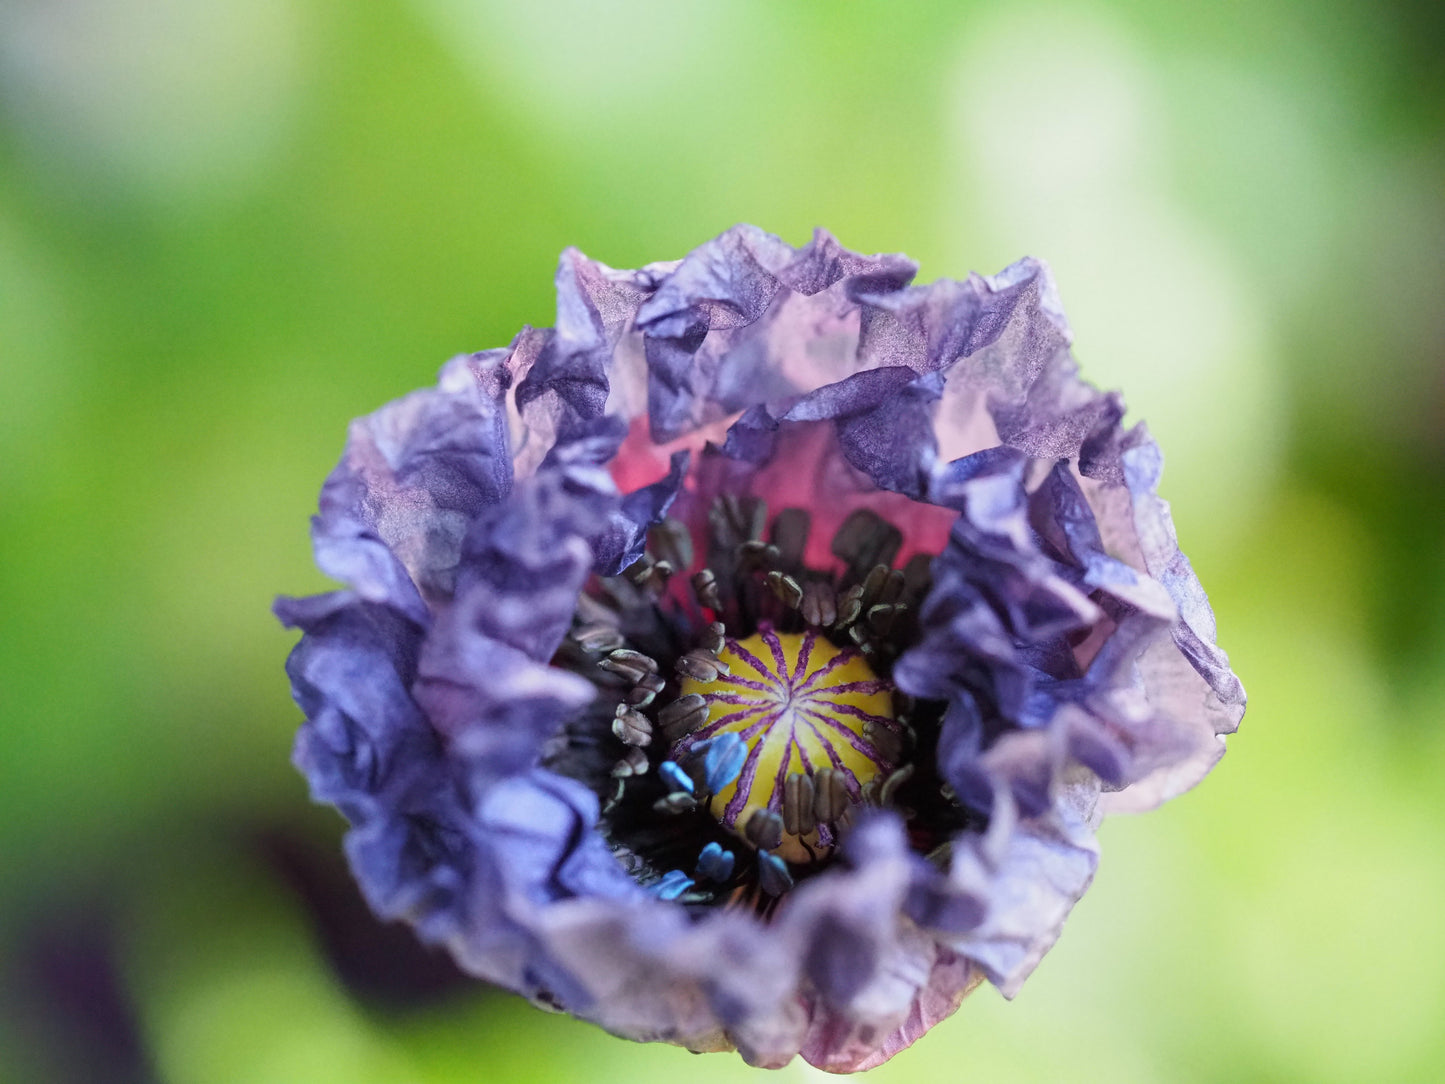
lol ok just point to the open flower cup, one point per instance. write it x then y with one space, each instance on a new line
746 662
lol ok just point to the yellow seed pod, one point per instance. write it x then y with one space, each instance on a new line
804 708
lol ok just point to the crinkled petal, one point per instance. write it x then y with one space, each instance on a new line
746 320
351 673
568 378
414 474
1064 639
1034 879
368 749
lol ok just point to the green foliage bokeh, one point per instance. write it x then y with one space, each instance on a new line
228 228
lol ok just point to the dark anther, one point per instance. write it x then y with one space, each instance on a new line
649 575
850 606
598 637
631 665
619 788
639 571
701 665
755 554
646 690
627 657
866 539
671 542
631 727
683 715
873 584
882 616
790 535
786 588
704 586
820 604
893 588
676 802
830 796
736 519
889 790
888 742
714 638
917 576
764 829
633 762
798 804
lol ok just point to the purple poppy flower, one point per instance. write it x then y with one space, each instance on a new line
746 662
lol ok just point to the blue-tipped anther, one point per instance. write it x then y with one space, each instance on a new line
773 875
715 864
673 884
723 760
674 776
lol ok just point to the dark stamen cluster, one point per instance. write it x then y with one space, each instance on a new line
675 745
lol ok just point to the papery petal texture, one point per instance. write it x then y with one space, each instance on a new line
1064 644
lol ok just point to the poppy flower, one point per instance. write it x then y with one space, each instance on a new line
746 661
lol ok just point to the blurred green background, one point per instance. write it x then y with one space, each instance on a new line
227 227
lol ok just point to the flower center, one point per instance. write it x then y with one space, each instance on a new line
752 701
797 716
